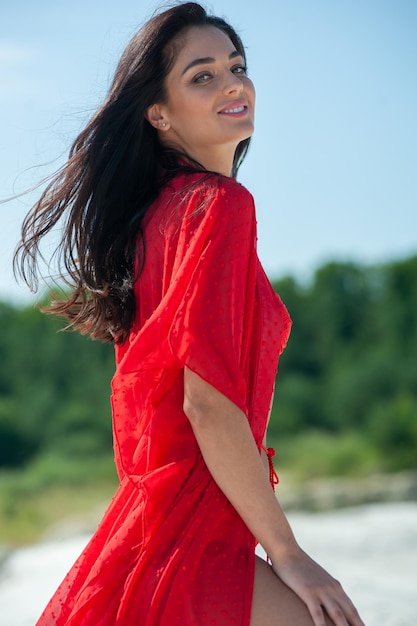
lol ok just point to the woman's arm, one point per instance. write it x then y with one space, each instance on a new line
229 450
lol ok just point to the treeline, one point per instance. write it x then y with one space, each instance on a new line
347 385
54 390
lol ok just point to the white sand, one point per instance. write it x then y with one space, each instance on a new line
372 550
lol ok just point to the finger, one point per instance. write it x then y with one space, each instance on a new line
352 614
316 612
349 610
337 614
343 613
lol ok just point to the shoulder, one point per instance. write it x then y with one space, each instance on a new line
211 193
222 186
231 191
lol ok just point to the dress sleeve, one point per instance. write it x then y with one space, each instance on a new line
204 319
209 330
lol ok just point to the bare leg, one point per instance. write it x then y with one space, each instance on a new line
274 604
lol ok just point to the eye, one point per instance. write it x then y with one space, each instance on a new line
202 77
241 70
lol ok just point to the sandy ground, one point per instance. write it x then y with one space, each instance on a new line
371 549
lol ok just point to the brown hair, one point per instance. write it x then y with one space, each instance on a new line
116 168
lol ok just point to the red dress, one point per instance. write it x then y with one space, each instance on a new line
171 550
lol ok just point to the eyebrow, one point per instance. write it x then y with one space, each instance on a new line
205 60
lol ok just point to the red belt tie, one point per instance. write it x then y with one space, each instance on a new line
273 476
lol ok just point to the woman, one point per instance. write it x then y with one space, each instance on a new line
159 250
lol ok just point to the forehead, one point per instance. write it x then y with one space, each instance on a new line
202 42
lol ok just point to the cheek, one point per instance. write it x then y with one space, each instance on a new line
251 90
194 108
187 105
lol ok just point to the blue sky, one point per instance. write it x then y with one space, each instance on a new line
333 165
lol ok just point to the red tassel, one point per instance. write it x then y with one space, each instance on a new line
273 476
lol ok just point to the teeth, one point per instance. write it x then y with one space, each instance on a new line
235 110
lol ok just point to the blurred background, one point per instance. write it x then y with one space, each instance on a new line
333 169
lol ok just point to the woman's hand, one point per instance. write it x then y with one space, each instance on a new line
319 591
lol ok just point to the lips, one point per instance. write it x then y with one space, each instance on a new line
234 108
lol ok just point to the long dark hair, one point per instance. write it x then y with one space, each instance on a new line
116 168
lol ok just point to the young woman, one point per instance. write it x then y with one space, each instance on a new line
159 249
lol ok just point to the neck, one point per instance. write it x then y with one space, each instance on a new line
214 159
220 163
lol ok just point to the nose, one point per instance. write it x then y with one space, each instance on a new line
233 84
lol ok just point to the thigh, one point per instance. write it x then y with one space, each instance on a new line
275 604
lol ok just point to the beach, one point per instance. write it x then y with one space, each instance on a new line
371 549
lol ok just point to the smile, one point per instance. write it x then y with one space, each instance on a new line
238 110
234 110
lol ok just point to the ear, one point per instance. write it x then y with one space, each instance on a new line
156 118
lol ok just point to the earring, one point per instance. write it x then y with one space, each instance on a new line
163 124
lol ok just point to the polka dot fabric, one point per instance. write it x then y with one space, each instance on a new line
171 550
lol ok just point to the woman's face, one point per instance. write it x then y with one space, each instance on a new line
209 107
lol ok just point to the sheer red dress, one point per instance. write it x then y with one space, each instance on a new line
171 550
